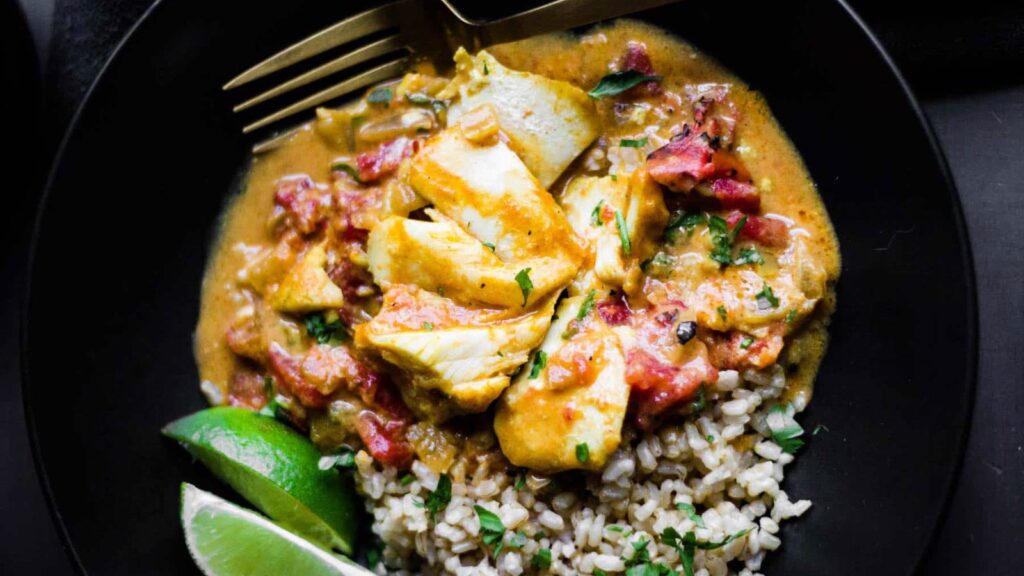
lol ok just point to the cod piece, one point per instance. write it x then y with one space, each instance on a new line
548 122
498 237
565 410
465 353
307 287
620 220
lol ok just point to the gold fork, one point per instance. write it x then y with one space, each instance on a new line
431 29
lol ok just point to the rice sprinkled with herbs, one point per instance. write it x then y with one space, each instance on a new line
706 490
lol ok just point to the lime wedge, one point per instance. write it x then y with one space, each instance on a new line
226 540
275 469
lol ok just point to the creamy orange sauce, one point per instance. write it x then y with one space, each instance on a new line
768 155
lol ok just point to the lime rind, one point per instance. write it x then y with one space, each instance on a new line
275 469
227 540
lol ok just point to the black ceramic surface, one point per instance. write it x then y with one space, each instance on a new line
134 198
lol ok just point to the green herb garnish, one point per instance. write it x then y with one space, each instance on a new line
788 436
322 331
491 528
691 513
748 256
345 459
791 316
439 497
700 402
539 362
586 306
681 220
618 82
722 238
525 284
491 246
766 298
630 143
595 216
582 452
620 223
722 313
347 169
407 479
746 342
640 553
542 559
520 483
819 428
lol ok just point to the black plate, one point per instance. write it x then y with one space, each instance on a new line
134 198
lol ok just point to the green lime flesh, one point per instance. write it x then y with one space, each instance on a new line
226 540
275 469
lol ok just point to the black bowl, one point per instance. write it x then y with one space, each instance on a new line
134 197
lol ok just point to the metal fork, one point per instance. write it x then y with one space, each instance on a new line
406 29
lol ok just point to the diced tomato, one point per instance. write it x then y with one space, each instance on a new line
765 231
638 60
733 194
373 166
614 310
686 160
305 204
247 390
658 386
385 441
289 376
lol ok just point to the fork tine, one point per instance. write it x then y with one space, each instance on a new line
349 29
370 51
372 76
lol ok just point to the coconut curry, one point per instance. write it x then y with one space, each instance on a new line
566 237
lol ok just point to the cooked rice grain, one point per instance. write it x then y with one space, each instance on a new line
707 462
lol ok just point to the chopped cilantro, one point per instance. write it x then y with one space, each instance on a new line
748 256
345 459
791 316
710 438
491 528
487 72
520 483
586 306
629 143
407 479
542 559
428 326
595 216
746 342
618 82
766 298
659 266
489 245
582 452
700 402
340 166
518 540
691 513
440 290
525 284
373 555
722 313
539 362
681 220
640 553
787 436
380 96
323 331
620 223
439 497
722 238
819 428
599 572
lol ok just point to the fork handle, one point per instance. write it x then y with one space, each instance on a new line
557 16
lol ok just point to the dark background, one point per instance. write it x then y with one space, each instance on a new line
965 61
